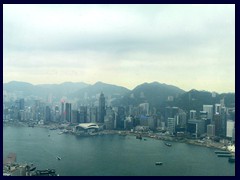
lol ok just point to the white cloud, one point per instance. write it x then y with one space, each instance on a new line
126 44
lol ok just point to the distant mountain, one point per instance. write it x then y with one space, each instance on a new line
97 88
16 86
63 89
22 88
154 93
194 100
42 90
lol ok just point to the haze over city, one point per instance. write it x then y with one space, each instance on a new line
189 46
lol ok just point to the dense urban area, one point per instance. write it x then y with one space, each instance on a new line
211 126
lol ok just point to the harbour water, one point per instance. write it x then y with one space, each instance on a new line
111 155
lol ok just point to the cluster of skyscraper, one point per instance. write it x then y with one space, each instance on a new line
84 114
213 120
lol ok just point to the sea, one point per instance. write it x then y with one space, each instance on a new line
111 155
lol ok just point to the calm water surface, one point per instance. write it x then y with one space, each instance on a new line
110 155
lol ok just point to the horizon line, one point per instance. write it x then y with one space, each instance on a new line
117 85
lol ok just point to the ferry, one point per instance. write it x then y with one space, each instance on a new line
58 158
168 144
158 163
222 152
32 168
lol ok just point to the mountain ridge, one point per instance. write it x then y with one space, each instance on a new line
99 82
155 93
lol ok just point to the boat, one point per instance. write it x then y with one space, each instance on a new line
139 136
32 168
45 172
168 144
58 158
158 163
222 152
231 159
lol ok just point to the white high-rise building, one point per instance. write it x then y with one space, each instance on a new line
209 110
230 127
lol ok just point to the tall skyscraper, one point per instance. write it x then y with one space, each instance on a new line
217 123
193 114
171 125
101 108
75 116
230 128
211 130
62 111
222 102
109 118
21 102
93 114
120 117
170 112
224 121
209 110
144 108
47 114
203 114
83 114
182 121
68 112
217 108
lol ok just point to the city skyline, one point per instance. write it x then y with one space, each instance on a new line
189 46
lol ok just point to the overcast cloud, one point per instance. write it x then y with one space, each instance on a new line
190 46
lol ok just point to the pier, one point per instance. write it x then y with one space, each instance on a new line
224 155
222 152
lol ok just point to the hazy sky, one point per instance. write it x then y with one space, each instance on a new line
190 46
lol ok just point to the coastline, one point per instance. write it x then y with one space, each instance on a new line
196 142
